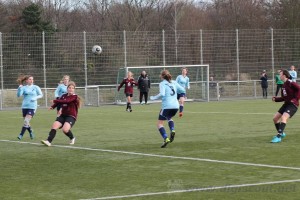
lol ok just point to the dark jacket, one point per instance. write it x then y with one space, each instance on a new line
143 83
264 81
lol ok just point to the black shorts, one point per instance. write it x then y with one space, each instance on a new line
289 108
62 119
128 95
167 114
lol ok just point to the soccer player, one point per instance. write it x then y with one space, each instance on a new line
184 82
290 94
144 86
293 73
60 90
168 91
31 93
129 82
70 103
279 82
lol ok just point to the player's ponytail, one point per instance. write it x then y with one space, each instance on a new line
22 78
165 74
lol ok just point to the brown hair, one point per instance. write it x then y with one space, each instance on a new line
79 99
22 78
286 73
165 74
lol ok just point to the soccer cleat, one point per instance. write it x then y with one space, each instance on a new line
127 110
20 137
166 142
46 142
130 110
180 114
283 135
72 141
31 135
276 139
172 136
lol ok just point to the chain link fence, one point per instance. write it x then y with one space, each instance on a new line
233 55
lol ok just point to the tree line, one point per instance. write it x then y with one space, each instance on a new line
146 15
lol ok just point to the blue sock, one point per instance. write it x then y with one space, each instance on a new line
171 125
180 108
163 132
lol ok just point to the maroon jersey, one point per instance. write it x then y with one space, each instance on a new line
129 83
290 93
69 105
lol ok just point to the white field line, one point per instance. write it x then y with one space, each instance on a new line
225 188
162 156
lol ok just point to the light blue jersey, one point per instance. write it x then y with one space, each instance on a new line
60 90
168 93
183 81
293 75
30 93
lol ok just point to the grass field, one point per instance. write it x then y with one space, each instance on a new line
222 150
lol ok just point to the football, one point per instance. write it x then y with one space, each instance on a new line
96 50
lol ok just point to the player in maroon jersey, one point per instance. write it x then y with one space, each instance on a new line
129 82
70 103
290 94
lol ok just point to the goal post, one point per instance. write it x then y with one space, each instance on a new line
198 75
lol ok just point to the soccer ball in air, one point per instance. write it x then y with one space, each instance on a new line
96 50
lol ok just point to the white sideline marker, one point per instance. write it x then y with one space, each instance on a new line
196 190
162 156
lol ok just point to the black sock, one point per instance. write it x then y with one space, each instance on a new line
52 134
281 129
277 126
127 106
23 130
70 135
29 129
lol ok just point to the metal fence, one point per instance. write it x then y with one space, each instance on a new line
233 55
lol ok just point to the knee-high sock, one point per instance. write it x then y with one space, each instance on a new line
52 134
171 125
163 132
281 128
70 134
23 130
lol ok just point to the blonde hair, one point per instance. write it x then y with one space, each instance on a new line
79 99
63 78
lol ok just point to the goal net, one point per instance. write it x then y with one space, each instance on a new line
198 75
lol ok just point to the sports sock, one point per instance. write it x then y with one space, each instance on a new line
171 125
277 126
70 135
127 106
23 130
52 134
29 129
163 132
281 129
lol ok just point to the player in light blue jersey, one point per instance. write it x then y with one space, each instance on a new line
60 90
293 73
168 90
184 81
31 93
